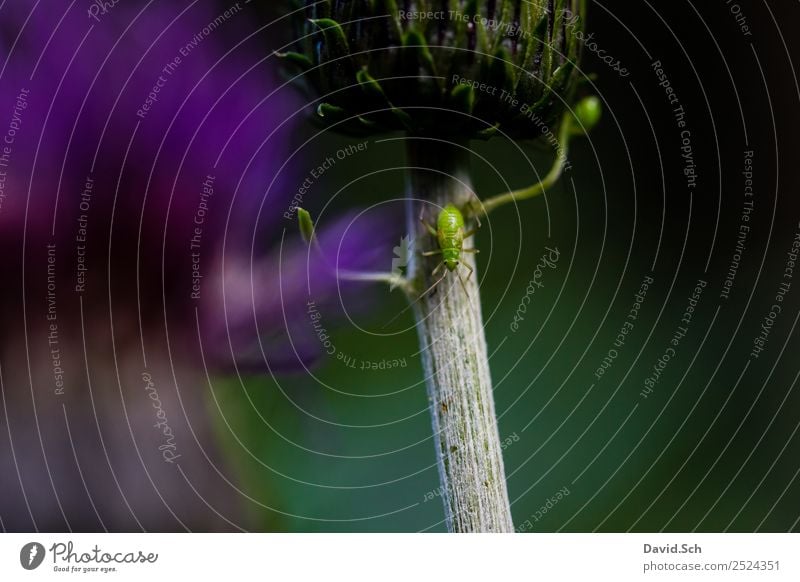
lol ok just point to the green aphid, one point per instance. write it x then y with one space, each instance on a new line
450 236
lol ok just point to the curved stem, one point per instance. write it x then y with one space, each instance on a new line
565 132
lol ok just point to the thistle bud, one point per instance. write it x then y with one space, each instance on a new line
434 67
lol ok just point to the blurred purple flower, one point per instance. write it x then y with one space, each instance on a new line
268 300
120 134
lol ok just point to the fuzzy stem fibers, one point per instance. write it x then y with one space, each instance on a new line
454 353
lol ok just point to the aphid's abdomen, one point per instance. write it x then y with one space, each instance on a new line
450 235
451 242
450 220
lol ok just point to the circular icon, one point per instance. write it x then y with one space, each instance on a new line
31 555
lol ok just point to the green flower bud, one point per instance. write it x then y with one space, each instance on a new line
440 67
306 225
587 113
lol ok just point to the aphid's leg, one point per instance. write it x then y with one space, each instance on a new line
432 287
471 270
421 297
464 286
430 229
474 208
427 226
470 233
470 251
432 253
418 299
460 280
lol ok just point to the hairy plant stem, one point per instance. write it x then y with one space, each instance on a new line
453 347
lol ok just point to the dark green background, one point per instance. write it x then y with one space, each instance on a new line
691 456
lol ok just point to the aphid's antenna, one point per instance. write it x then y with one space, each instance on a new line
464 286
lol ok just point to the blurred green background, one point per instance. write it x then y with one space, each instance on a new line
713 448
